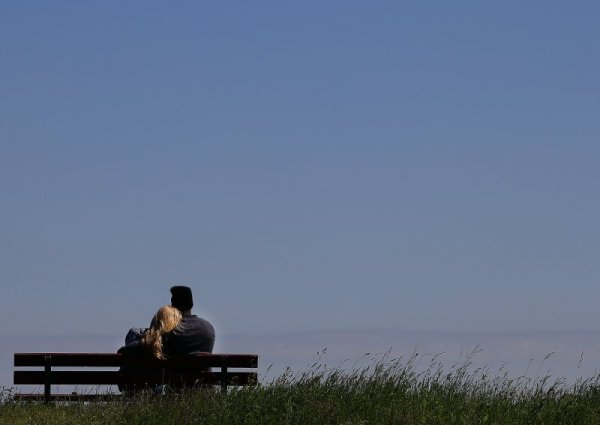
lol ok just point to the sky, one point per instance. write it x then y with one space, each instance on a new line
303 166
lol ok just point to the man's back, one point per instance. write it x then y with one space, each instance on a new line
192 335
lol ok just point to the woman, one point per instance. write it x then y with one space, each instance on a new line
151 342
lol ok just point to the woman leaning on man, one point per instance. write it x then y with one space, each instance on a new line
153 340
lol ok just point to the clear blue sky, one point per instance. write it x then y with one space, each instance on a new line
301 165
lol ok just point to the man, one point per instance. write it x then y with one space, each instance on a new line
193 334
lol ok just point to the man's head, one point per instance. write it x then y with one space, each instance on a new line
181 298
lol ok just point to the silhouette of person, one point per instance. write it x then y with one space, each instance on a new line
193 334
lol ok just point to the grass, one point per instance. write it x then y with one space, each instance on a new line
387 391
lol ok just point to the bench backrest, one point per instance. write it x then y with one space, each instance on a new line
136 369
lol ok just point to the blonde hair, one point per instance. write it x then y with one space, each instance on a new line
164 321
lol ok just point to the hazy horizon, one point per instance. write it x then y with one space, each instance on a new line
571 355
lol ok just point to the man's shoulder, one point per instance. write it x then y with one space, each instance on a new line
191 320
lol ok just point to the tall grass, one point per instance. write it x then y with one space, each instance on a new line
385 391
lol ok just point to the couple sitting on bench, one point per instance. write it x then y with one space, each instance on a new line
174 330
173 334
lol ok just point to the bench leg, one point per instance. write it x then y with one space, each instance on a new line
47 378
224 379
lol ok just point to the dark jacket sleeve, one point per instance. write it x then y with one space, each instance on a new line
132 348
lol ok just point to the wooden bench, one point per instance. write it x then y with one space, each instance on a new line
139 372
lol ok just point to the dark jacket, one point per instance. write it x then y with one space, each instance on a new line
133 346
192 335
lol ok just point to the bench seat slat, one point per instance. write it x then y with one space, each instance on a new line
68 397
116 360
36 377
101 377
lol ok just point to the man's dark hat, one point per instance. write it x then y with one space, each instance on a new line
181 298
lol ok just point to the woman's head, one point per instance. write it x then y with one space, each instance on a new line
164 321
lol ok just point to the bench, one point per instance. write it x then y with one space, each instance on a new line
139 372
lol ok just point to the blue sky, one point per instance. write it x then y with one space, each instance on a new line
303 166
